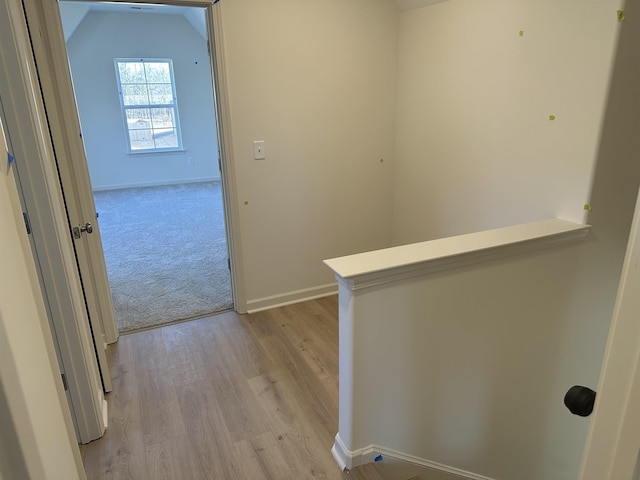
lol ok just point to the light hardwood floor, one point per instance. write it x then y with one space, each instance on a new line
228 397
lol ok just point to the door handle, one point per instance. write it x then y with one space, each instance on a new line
78 231
580 400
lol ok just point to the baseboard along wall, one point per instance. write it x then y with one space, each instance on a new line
393 460
275 301
122 186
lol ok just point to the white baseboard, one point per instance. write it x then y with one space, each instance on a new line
289 298
342 456
161 183
347 459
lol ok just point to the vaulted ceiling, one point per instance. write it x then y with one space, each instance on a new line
73 12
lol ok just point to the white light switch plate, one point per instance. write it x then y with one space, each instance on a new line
258 150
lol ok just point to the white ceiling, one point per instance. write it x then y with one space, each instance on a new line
72 13
135 7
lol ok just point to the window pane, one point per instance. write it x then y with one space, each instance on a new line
160 94
166 138
165 132
141 139
138 118
133 94
131 72
162 117
157 72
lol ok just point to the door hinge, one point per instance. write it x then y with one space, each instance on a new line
64 381
27 223
229 263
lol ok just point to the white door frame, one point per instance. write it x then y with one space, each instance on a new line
74 166
26 119
613 442
225 146
35 164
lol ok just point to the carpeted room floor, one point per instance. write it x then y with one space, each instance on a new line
166 253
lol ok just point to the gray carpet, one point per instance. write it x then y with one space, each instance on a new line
166 253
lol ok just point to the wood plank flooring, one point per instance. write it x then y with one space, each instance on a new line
228 397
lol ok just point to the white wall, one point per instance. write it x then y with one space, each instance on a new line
316 82
321 101
475 147
473 369
103 36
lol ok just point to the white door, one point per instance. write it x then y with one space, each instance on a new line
55 79
613 443
34 168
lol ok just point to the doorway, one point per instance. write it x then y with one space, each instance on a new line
152 156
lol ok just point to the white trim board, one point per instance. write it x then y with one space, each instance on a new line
122 186
215 27
378 267
297 296
348 460
611 449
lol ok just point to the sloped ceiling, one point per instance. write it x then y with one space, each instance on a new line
73 12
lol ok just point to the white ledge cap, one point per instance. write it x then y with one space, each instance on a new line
370 268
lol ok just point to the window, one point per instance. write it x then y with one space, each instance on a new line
148 101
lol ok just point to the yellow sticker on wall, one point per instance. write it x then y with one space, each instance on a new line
620 15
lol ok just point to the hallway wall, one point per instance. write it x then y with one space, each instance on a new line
316 82
475 145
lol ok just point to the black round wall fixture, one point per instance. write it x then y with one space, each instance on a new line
580 400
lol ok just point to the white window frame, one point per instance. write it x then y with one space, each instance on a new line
173 106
